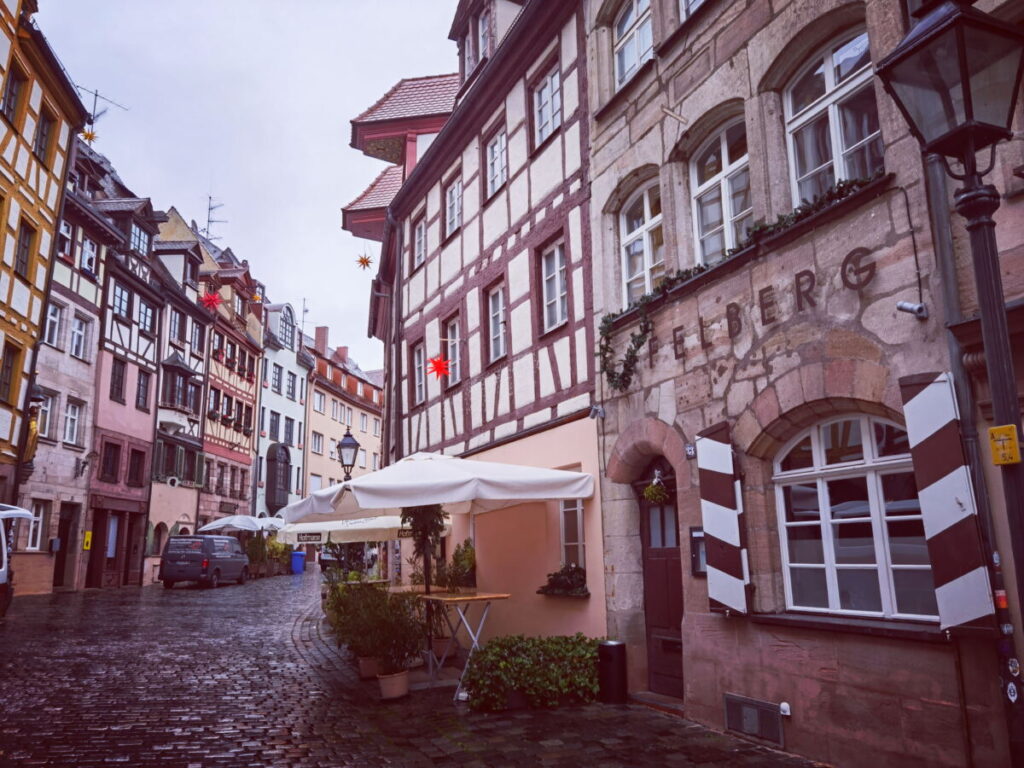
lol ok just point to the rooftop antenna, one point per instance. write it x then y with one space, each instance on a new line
211 206
305 311
89 133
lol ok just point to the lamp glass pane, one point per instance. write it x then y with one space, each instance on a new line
929 87
992 62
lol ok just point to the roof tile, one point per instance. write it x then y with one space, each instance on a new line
381 192
415 97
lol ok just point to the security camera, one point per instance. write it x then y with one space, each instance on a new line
920 311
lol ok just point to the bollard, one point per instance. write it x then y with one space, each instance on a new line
611 671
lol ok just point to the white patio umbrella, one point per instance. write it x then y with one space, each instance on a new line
235 523
270 523
8 512
381 528
461 485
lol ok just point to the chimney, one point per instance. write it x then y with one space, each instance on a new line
340 355
321 340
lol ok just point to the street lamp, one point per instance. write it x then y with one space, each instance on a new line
348 449
956 77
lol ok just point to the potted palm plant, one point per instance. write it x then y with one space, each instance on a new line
397 637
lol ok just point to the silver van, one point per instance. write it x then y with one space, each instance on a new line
206 559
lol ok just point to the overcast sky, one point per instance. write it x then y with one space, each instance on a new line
250 101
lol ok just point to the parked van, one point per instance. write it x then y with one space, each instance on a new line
7 513
206 559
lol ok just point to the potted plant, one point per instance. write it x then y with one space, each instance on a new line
397 638
213 413
256 548
354 609
568 581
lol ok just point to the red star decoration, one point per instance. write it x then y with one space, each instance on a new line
211 300
364 262
439 366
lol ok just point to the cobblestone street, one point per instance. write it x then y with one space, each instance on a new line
242 676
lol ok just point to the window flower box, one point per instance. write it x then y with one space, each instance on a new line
213 413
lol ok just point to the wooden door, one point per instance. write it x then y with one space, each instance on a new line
663 594
66 534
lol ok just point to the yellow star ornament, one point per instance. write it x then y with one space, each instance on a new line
364 262
89 135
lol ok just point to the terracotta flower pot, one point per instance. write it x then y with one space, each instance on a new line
394 686
368 667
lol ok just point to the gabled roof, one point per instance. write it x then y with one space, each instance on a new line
381 191
122 205
414 97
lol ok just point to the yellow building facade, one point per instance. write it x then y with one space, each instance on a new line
40 112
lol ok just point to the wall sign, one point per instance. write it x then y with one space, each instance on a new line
87 541
309 538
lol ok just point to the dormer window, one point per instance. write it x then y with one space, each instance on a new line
286 331
483 34
239 303
139 240
192 272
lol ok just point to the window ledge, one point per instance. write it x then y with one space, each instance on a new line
564 595
891 628
621 94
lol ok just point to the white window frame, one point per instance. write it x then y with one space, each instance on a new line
319 401
547 106
89 256
79 337
570 507
419 374
376 462
650 223
634 35
362 458
827 103
72 423
40 511
376 427
722 179
497 162
66 239
54 324
483 38
554 287
348 420
873 467
496 323
140 239
317 445
689 7
116 291
419 250
364 422
316 482
147 312
46 414
451 343
453 207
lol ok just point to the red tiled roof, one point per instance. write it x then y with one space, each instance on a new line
414 97
381 192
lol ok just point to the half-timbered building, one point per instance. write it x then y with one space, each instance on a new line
57 492
483 293
39 114
178 459
781 557
125 389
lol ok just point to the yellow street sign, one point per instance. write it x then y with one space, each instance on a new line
1005 444
87 541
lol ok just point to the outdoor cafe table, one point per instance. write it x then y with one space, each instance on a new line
461 603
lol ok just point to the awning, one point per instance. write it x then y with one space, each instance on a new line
382 528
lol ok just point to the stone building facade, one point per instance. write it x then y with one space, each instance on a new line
764 538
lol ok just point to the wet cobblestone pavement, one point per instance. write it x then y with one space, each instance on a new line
243 676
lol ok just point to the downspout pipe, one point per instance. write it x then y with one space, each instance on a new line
394 413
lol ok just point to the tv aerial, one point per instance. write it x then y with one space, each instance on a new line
89 132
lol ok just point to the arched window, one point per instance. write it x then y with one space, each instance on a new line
850 522
287 334
634 42
643 244
159 537
720 183
832 118
279 469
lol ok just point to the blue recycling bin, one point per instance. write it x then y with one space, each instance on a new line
298 562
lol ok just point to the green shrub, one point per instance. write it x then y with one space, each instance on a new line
548 671
353 610
570 581
398 633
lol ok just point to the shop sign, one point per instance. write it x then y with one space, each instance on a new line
309 538
1004 444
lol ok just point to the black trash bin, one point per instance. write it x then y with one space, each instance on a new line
611 671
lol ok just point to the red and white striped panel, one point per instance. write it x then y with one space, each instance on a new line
721 508
948 507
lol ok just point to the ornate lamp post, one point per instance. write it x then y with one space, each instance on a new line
348 449
956 77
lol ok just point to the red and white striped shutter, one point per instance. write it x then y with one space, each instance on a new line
948 507
721 509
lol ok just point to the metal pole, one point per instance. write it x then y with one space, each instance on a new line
976 202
